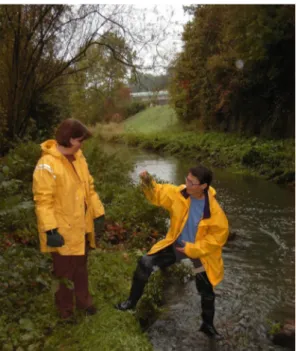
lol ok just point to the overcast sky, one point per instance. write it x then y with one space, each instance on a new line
173 41
157 17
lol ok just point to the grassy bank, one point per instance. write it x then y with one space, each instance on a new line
154 119
271 159
28 318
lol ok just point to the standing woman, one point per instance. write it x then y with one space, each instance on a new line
69 214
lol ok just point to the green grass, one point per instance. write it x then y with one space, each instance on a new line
34 325
158 129
271 159
109 329
154 119
29 319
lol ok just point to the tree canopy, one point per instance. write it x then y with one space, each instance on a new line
44 48
237 69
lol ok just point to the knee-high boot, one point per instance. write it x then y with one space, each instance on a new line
207 294
140 279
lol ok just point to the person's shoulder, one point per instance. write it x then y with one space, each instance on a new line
175 189
46 158
178 191
216 209
46 163
180 187
79 154
212 191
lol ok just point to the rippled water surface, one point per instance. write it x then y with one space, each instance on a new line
259 265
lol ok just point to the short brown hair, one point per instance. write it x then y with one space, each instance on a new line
71 128
202 173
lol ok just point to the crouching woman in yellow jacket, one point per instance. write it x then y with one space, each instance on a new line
69 213
198 230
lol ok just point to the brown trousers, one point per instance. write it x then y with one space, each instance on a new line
72 270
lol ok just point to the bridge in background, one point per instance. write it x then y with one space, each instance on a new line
154 97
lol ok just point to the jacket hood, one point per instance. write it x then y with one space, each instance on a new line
50 147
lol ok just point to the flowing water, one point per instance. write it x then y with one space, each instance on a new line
259 279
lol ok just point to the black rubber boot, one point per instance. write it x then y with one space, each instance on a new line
207 294
140 279
145 267
210 331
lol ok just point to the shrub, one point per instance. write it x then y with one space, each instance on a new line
252 158
21 161
135 107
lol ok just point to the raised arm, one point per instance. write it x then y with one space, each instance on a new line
158 194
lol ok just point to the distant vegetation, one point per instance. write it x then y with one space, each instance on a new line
149 82
235 73
237 70
60 61
158 129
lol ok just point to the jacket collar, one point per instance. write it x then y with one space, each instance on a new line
184 193
206 212
50 147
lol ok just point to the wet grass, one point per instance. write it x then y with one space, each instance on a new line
28 318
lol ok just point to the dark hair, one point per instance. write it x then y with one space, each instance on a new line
71 128
203 174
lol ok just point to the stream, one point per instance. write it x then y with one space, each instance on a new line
259 281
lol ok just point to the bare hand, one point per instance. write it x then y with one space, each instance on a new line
144 175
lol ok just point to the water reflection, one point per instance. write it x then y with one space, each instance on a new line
162 168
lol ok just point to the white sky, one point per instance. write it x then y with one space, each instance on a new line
173 42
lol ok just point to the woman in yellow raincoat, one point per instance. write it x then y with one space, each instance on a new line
69 212
198 230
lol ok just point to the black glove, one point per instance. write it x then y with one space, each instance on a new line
54 238
99 226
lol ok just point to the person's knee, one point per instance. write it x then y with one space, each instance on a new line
144 268
206 294
204 287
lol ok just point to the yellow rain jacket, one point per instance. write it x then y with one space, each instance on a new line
65 199
212 231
